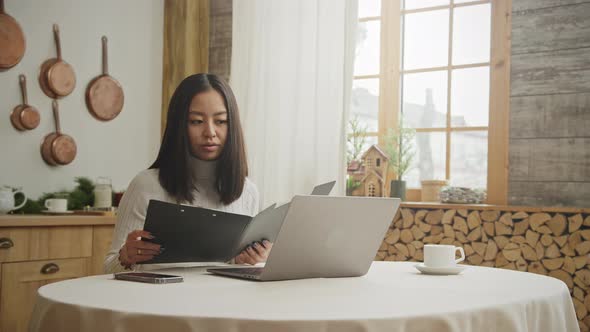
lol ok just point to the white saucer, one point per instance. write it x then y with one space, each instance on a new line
450 270
57 212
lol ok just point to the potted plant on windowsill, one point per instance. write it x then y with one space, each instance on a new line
351 185
398 145
356 140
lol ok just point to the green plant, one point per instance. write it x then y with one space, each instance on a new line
398 145
356 139
30 207
83 195
352 184
78 198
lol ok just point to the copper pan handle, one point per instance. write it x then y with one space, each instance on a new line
23 87
105 56
57 41
56 116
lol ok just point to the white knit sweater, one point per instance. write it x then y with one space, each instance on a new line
145 186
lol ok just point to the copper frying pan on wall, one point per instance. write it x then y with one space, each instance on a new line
57 78
104 95
24 116
12 40
58 148
48 140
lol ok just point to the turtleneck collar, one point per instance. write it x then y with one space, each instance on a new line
203 169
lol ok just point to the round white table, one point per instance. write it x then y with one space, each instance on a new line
393 296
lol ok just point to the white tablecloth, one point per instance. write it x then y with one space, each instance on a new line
393 296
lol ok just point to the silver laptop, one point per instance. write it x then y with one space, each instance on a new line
324 236
323 189
267 223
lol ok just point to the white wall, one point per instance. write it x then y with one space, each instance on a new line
119 148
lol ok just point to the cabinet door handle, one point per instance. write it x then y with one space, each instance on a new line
49 268
6 243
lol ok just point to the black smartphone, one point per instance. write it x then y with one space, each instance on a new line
152 278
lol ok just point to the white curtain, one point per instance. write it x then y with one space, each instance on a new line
291 70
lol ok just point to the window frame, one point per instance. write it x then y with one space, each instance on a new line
390 75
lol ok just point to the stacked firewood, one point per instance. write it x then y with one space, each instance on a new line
555 244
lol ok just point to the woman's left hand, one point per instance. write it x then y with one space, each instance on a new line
255 253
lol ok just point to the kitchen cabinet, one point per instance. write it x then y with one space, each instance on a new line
38 250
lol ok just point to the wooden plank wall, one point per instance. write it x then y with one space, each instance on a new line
549 151
197 38
220 38
186 45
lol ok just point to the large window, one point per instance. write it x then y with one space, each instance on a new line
365 86
426 64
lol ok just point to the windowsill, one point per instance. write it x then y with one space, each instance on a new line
437 205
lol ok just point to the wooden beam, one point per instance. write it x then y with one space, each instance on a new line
389 88
543 30
550 159
554 115
548 193
449 96
498 135
186 45
449 67
553 72
450 6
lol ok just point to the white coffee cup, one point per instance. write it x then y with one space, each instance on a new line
441 255
56 204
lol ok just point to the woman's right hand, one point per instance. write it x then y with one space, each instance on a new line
135 250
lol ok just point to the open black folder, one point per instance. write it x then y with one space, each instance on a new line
195 234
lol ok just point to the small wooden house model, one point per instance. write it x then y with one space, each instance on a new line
371 172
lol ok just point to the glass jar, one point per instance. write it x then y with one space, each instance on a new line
103 193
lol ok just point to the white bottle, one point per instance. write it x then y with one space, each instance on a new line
103 193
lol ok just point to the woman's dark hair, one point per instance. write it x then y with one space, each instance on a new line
173 158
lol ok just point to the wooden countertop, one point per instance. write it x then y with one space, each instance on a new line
31 220
28 220
435 205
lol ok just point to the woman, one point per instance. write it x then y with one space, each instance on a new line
202 162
